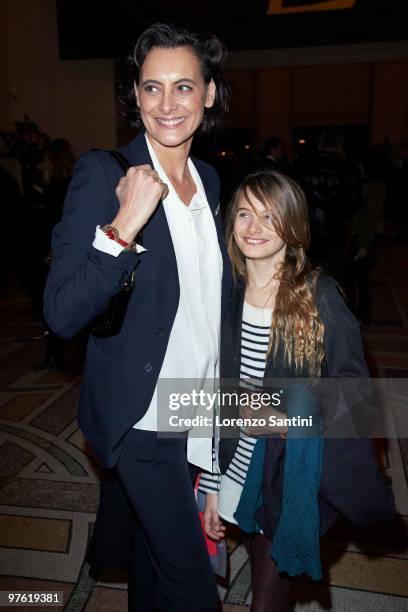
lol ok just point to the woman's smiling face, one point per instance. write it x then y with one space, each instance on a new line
254 231
172 95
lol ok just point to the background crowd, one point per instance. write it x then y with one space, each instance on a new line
351 200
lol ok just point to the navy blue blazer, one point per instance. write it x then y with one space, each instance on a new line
121 372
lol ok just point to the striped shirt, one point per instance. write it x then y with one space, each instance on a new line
255 330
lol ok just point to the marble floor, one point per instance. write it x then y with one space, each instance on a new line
49 484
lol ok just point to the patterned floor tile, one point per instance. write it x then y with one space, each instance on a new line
72 497
13 458
78 440
57 376
22 405
358 571
107 600
54 448
34 533
60 414
13 366
49 487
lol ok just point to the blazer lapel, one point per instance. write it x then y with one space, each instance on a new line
226 269
212 194
237 308
156 233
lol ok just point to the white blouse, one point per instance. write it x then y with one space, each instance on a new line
193 348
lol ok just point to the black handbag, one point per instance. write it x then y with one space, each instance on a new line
109 322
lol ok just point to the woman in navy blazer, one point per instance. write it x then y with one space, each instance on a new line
176 88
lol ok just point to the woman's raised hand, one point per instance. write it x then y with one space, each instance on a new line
139 193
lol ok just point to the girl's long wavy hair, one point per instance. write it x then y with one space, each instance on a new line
295 323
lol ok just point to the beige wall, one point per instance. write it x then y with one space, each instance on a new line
70 99
390 102
274 100
273 104
75 99
331 94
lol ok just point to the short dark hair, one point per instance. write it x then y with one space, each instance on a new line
59 159
270 144
210 53
331 139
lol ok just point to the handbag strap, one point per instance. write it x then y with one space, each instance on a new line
120 159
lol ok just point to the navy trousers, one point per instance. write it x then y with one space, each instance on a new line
170 568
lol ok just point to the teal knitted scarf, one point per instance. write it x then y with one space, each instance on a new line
296 543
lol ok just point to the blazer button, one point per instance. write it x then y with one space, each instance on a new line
159 332
148 367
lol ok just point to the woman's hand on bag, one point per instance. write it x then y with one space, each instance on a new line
212 523
139 193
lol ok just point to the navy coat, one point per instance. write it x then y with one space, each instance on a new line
351 483
121 372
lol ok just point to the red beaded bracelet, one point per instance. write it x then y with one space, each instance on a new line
112 233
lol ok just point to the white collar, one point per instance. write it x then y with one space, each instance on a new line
199 199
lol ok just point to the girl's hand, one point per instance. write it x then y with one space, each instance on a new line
266 414
212 523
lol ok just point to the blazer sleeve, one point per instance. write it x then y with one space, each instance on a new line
82 279
349 406
351 481
343 344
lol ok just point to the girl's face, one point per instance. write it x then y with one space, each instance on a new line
172 95
254 232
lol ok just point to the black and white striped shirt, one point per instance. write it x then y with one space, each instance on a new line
255 332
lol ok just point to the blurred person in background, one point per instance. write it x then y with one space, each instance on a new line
10 258
57 169
367 227
395 165
274 156
333 192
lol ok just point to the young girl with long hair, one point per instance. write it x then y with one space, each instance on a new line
287 319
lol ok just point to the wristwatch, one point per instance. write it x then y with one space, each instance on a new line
111 232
